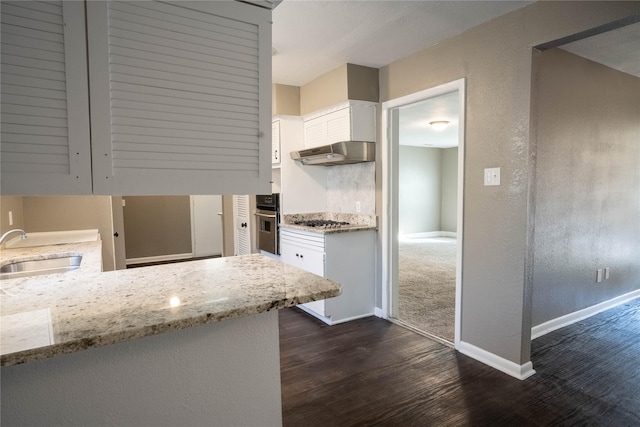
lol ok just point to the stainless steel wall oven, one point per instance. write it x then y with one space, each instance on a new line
267 222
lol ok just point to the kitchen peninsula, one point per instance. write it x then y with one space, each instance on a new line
192 343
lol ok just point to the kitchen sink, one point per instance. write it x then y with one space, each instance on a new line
38 267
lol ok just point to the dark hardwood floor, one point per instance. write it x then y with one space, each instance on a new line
371 372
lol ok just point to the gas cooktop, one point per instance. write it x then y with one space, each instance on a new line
321 223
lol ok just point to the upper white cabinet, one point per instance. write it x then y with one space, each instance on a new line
45 143
351 121
180 99
275 143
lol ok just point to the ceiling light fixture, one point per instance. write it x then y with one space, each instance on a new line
439 124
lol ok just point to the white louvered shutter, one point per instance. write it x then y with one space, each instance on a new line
242 225
45 146
180 97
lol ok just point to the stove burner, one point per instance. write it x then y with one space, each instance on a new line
321 223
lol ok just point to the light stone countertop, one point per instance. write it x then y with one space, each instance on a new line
357 222
87 308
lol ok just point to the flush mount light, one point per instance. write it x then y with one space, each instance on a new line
439 124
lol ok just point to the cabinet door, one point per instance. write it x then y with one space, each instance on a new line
315 132
45 146
339 126
275 143
180 96
306 259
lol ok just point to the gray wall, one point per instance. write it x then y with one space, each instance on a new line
449 215
587 185
157 225
496 60
427 196
419 189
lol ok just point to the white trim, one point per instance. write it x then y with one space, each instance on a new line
576 316
378 313
520 372
427 234
328 320
159 258
387 215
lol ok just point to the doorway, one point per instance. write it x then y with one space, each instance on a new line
422 192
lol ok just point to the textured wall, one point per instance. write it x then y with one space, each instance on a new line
587 185
495 59
419 192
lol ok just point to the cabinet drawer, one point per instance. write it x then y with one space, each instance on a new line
301 238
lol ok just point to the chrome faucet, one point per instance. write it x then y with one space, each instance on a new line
23 235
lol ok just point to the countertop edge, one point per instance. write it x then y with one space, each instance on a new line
73 346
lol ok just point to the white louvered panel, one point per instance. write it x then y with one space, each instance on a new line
339 126
44 151
242 216
179 80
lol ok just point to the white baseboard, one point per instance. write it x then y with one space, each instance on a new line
159 258
427 234
576 316
378 313
520 372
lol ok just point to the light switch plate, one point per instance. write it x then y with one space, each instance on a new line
492 176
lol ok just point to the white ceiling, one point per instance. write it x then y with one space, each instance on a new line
414 121
313 37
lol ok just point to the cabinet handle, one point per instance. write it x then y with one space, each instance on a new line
276 154
301 256
243 225
297 255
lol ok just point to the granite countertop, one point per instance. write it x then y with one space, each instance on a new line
44 316
357 222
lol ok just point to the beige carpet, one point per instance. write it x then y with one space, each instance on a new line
427 276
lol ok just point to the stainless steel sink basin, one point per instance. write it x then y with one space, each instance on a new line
38 267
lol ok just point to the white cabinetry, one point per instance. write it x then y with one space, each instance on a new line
45 146
179 103
352 121
347 258
275 143
302 189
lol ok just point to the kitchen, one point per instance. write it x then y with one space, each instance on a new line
474 269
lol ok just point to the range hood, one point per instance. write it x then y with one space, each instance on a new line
339 153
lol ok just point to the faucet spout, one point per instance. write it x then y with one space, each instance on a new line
23 235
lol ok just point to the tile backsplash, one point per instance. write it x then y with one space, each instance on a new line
348 184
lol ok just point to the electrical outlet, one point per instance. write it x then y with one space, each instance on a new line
358 206
10 217
599 275
606 273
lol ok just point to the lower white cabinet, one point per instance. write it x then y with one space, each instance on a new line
347 258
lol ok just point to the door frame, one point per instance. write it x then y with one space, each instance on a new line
390 198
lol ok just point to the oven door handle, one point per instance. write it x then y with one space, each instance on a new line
264 215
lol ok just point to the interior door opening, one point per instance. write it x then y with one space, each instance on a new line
424 182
